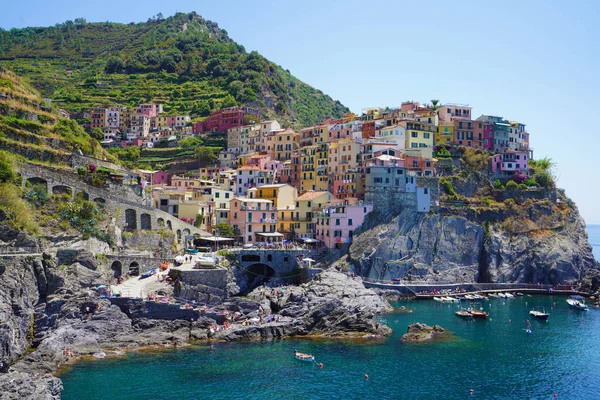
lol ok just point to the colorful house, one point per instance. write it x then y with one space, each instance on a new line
255 220
336 223
281 195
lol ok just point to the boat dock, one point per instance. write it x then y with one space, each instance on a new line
524 291
428 290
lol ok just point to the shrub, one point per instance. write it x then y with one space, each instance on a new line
16 211
7 172
531 182
509 202
498 184
448 188
544 178
511 185
522 186
519 178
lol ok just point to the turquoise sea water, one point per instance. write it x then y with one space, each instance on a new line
594 238
496 358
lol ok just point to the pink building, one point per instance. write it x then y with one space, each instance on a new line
336 224
510 163
151 110
254 219
261 161
155 177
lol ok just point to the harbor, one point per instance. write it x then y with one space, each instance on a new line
493 358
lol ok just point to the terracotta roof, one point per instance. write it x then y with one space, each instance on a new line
311 195
249 167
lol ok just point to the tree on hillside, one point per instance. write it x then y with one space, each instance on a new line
205 155
224 229
434 104
114 65
7 173
97 134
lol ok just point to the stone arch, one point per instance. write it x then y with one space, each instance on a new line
169 224
160 222
100 200
146 222
117 268
84 195
178 235
259 273
186 232
130 219
250 258
134 269
62 189
35 181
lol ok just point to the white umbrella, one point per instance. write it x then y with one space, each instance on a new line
308 260
180 259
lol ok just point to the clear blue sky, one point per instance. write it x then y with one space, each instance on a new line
532 61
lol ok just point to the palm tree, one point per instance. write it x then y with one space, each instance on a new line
434 104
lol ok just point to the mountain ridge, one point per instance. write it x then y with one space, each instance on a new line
185 61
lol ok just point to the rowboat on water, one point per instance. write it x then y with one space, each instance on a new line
475 313
463 313
303 356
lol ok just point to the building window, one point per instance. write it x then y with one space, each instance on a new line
349 221
337 221
249 238
414 134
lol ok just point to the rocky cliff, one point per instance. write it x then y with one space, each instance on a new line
540 240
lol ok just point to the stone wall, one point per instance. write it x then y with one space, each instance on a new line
78 160
216 278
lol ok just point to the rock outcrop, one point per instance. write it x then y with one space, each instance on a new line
538 243
419 332
332 305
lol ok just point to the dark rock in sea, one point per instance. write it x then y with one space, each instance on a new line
419 332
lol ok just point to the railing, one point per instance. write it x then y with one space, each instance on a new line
269 220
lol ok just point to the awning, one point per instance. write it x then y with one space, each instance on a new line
215 239
309 240
269 234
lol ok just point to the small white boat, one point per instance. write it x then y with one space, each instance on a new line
303 356
501 295
438 299
205 261
508 295
577 302
471 297
449 299
540 313
493 295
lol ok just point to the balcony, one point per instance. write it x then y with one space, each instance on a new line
269 220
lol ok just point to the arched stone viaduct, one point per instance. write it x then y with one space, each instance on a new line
134 214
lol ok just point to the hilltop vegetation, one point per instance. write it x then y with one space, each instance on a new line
183 61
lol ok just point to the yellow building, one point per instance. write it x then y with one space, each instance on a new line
306 207
281 194
444 135
419 138
282 145
322 156
308 168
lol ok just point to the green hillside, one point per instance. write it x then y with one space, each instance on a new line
183 61
31 129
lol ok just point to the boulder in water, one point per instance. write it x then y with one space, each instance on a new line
419 332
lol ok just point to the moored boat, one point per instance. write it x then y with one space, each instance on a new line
509 295
438 299
577 302
450 299
463 313
539 313
501 295
478 313
303 356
